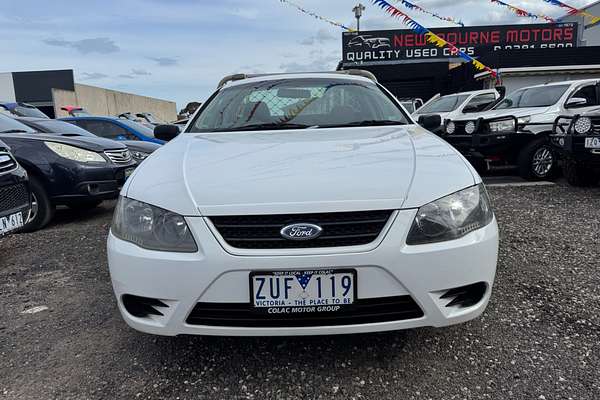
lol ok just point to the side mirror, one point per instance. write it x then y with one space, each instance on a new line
430 122
166 132
575 102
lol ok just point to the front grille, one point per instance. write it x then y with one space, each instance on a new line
363 311
339 229
596 124
119 156
13 197
7 163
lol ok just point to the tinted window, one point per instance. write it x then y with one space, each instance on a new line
7 124
25 110
444 104
479 102
306 102
105 129
144 130
541 96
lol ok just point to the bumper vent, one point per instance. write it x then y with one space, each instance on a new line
7 163
13 197
465 296
119 156
339 229
363 311
142 307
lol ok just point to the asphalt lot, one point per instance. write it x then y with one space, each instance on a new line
539 338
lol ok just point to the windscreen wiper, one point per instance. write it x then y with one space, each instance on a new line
14 131
370 122
266 126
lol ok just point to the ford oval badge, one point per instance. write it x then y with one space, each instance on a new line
301 231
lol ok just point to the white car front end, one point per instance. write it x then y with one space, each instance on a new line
401 234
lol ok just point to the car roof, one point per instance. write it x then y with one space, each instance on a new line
337 75
470 92
573 82
92 117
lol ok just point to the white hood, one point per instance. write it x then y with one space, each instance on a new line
300 171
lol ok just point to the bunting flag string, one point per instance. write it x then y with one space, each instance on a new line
412 6
317 16
574 11
523 13
432 37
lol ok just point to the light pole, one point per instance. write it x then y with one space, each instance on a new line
358 10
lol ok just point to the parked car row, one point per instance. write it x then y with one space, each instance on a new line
533 129
77 162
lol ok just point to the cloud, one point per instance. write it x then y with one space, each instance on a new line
316 65
85 76
100 45
164 61
321 37
126 76
140 72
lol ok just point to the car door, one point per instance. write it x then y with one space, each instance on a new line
589 92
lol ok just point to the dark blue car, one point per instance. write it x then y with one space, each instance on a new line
114 128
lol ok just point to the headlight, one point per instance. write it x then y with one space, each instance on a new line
151 227
139 155
506 125
524 120
583 125
470 127
451 217
74 153
450 127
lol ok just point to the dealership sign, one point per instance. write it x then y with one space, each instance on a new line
395 46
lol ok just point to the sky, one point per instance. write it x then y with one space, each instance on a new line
179 49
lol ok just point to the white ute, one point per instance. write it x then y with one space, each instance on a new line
302 204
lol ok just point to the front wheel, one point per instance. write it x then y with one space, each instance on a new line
537 161
42 209
578 175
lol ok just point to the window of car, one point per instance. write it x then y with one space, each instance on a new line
588 93
106 129
296 103
479 102
27 110
10 125
136 126
444 104
539 96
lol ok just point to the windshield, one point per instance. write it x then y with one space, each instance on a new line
298 103
541 96
25 110
144 130
54 126
9 125
444 104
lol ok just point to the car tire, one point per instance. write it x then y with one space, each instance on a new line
578 175
42 209
85 205
537 161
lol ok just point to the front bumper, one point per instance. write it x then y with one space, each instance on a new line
90 183
572 147
214 275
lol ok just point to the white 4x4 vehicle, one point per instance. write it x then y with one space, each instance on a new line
457 105
516 131
301 204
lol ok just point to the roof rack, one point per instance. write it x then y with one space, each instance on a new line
353 72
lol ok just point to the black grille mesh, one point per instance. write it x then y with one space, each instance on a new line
13 196
339 229
363 311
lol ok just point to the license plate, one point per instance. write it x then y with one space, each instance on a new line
128 172
592 143
11 222
303 291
